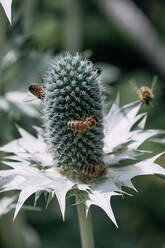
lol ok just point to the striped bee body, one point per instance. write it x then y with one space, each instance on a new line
145 95
77 126
83 126
37 90
93 170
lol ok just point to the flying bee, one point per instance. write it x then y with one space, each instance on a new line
83 125
145 93
93 170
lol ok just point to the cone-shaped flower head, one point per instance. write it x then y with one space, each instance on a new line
72 95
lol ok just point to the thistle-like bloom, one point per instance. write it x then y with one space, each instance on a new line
72 92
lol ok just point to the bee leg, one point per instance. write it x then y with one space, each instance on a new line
76 115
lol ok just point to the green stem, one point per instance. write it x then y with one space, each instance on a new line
85 224
2 31
29 8
2 45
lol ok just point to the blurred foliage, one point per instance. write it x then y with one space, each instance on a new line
41 29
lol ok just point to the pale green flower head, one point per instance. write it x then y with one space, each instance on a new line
113 143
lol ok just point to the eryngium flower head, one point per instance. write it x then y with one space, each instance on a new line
72 94
34 169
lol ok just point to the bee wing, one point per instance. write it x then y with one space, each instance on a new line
76 116
154 80
29 98
134 83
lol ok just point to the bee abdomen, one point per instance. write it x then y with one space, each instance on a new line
42 96
94 170
76 125
70 125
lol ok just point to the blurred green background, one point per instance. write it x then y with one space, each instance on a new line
126 39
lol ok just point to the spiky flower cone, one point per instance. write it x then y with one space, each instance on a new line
72 94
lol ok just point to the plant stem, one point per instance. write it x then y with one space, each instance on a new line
86 232
2 45
2 31
29 9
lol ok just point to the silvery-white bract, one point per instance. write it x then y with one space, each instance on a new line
33 170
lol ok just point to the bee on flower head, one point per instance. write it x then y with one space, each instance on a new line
145 93
83 125
93 170
37 91
95 69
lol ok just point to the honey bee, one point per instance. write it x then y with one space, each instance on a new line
83 125
93 170
146 94
95 69
37 91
